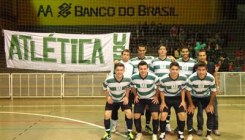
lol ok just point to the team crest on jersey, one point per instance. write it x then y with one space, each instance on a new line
143 85
119 88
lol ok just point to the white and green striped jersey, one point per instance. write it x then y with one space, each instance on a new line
186 67
146 87
136 60
160 67
172 87
200 87
117 89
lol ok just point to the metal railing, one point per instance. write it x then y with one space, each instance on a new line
64 85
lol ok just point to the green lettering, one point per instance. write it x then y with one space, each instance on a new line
119 46
63 47
97 47
33 57
81 50
25 43
47 50
14 45
74 51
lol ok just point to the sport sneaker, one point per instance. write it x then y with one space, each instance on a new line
138 136
148 129
190 137
181 137
216 132
162 136
199 132
114 125
168 128
154 137
208 137
130 136
106 137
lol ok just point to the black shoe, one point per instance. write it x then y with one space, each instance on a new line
148 129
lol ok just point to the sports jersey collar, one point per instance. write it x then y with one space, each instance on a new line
184 60
141 58
162 59
142 77
117 80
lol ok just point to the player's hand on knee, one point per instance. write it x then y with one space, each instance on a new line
125 100
155 100
183 104
136 99
191 109
162 106
210 108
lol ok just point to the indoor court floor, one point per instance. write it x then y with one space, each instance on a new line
82 119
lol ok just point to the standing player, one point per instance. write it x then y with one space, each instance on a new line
160 66
172 93
144 88
135 61
125 56
116 97
202 57
186 64
201 90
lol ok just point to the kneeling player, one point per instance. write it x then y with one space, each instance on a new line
172 93
117 96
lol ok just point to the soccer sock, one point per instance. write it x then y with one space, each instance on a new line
114 114
155 124
147 116
129 123
181 126
137 123
162 126
107 125
209 123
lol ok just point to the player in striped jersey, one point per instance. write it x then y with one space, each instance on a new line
186 66
117 96
186 63
144 88
141 56
201 89
125 56
172 93
135 61
160 66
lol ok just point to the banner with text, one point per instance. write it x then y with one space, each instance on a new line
118 12
64 52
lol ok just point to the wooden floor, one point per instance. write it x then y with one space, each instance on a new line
82 119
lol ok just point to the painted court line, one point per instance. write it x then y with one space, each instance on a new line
58 117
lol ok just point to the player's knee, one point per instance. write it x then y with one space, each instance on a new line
154 115
164 116
181 116
128 113
107 115
137 115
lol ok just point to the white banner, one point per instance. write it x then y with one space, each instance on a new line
63 52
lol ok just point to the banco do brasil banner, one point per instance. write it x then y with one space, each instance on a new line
63 52
118 12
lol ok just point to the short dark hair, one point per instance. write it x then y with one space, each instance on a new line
118 65
162 45
184 47
174 64
142 63
202 50
201 64
141 45
125 50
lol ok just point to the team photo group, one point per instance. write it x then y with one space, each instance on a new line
150 86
